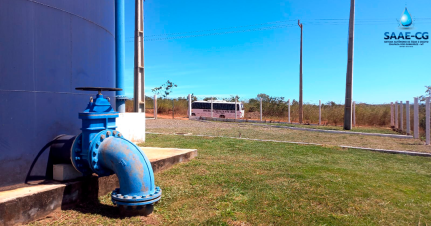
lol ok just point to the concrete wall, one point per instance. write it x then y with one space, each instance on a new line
48 47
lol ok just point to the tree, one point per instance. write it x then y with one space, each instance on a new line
209 98
264 97
166 89
231 98
427 93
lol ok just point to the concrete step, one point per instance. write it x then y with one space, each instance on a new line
32 202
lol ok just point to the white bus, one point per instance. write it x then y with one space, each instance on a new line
221 109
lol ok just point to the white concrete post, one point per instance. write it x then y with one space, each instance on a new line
408 117
261 109
212 107
289 110
189 109
173 110
354 113
320 112
392 114
155 106
396 115
416 119
401 116
236 100
427 121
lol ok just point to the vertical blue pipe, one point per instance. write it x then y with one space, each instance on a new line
120 53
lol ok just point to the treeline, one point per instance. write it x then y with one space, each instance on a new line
164 105
332 113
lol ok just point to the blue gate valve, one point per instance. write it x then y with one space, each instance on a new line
103 150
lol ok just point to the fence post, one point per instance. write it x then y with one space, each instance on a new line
392 115
261 109
416 119
155 106
401 116
396 115
212 116
173 114
189 108
408 117
427 121
289 110
320 113
354 113
236 100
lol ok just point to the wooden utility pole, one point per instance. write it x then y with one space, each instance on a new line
300 78
349 74
139 74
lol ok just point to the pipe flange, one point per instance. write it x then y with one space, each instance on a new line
78 157
93 153
136 200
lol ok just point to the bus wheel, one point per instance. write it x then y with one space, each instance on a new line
193 114
222 116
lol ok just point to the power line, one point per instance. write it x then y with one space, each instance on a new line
260 24
217 29
321 21
218 33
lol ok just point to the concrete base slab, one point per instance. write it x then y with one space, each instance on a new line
26 204
163 158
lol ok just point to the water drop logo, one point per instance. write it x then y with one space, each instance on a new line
406 19
407 37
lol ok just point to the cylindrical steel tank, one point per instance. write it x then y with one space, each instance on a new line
47 48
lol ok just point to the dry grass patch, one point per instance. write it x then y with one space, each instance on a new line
283 134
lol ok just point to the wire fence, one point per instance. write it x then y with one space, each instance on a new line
408 117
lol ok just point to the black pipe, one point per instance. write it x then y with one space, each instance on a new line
60 149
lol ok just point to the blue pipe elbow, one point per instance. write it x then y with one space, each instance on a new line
109 152
101 149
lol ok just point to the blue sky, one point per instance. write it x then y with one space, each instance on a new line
267 60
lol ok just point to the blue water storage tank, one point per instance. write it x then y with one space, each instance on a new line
47 48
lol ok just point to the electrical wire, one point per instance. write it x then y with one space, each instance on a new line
217 29
219 33
260 24
321 21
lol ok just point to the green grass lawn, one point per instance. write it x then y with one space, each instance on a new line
240 182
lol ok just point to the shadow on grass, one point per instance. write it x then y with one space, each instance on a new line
94 207
110 211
